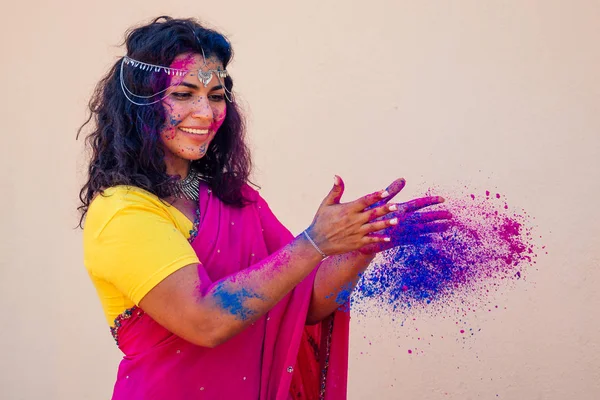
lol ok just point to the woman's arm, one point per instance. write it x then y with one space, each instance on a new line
208 313
334 282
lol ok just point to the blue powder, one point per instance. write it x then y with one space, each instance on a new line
233 301
344 294
484 244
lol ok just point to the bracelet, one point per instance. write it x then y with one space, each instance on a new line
315 245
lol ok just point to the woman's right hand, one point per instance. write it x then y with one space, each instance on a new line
340 228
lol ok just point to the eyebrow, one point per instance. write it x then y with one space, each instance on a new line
189 85
194 86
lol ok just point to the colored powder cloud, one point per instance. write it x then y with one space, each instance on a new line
487 246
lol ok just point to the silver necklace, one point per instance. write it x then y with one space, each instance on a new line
189 187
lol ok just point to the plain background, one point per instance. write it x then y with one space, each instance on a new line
494 94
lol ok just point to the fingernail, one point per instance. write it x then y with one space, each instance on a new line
336 180
387 239
385 194
441 199
393 207
394 221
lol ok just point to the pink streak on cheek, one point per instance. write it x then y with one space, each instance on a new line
218 120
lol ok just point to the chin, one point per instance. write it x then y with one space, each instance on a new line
199 155
192 157
194 152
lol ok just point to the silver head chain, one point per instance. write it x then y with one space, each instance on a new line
204 76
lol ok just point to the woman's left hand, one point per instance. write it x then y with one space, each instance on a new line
413 226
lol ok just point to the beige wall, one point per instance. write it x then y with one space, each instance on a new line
499 94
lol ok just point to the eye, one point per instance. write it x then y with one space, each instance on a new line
181 95
216 97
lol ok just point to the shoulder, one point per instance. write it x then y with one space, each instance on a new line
118 199
254 198
258 202
250 193
123 195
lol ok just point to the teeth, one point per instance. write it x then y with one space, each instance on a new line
195 131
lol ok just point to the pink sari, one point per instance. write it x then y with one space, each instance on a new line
276 358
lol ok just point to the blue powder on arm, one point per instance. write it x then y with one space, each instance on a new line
233 300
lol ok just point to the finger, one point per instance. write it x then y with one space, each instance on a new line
428 216
383 245
417 204
336 192
365 202
417 240
393 190
374 213
421 229
376 239
379 225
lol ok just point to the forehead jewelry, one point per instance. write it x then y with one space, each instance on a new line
204 76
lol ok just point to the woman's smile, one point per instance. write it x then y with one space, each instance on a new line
195 131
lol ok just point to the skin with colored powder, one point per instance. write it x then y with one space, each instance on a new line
234 300
194 114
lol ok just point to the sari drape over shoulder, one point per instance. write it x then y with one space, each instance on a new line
278 357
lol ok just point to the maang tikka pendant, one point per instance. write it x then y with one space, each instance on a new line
204 77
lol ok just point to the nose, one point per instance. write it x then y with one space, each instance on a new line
202 109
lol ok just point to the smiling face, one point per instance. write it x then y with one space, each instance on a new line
194 113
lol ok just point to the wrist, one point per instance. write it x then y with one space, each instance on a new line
307 236
307 250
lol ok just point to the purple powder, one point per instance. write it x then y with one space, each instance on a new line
486 246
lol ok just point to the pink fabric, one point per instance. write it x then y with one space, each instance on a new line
260 362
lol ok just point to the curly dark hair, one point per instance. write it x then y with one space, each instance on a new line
125 142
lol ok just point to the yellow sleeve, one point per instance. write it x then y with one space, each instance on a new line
133 241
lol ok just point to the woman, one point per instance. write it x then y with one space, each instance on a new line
206 293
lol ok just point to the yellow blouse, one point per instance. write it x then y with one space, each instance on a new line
132 241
